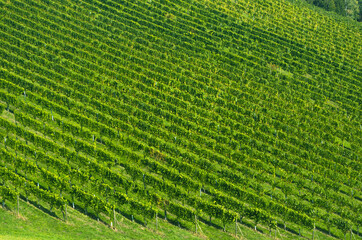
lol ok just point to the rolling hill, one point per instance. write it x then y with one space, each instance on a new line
229 119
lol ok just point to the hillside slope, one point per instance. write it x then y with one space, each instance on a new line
205 113
38 223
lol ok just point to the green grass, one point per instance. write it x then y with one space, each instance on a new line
35 224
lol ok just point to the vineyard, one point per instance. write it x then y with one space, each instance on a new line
227 112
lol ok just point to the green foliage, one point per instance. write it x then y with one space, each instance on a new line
7 194
342 225
187 108
350 8
2 107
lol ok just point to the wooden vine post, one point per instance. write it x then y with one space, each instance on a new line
114 217
18 205
236 227
195 224
156 221
65 213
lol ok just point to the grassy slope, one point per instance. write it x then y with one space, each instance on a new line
35 223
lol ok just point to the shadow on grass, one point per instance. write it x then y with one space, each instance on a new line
5 206
170 219
129 217
87 213
137 219
292 231
211 224
177 223
39 206
53 214
326 232
221 228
